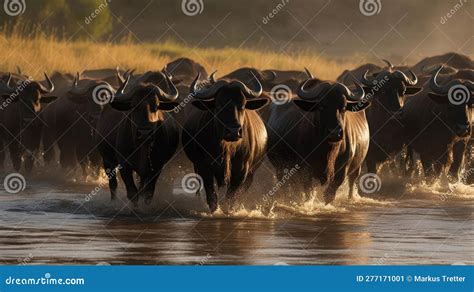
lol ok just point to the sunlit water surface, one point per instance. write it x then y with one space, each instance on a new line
57 222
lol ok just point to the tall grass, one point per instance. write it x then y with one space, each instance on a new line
38 52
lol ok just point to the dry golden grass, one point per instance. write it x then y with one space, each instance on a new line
39 53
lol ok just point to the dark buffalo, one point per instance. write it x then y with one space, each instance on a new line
247 75
325 133
185 69
136 134
349 76
224 136
437 123
387 92
70 123
21 126
453 60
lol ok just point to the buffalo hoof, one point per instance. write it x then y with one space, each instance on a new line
213 206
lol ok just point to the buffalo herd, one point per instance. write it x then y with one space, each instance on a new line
415 119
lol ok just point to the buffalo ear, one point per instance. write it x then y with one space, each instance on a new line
412 90
255 104
48 99
167 106
121 105
305 105
203 105
357 106
438 98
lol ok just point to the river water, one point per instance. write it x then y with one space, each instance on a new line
63 221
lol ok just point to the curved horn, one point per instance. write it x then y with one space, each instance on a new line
408 81
434 86
308 73
9 80
350 95
76 79
249 93
163 96
366 81
121 90
389 64
311 94
45 90
212 77
120 78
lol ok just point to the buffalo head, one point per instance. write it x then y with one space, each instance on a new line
456 95
146 103
228 101
330 101
28 95
391 86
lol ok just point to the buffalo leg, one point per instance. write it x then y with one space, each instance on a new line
371 166
352 179
147 186
206 173
29 161
111 173
330 192
127 176
15 155
48 148
458 161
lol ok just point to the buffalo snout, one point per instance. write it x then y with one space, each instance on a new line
233 134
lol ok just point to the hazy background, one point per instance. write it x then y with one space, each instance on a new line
403 31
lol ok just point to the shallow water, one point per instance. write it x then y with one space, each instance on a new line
55 222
